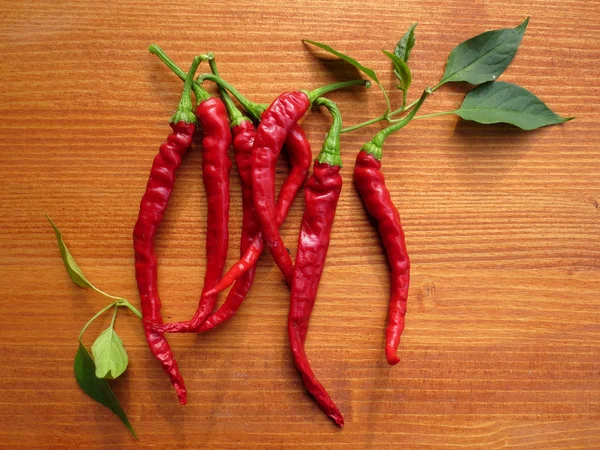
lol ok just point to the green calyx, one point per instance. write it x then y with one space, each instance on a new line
316 93
330 152
199 91
185 111
375 146
254 109
235 115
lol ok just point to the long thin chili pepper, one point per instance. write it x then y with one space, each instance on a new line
300 154
322 192
212 117
275 125
371 186
152 208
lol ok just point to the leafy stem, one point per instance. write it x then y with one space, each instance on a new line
98 314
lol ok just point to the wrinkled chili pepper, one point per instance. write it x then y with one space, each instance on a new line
212 117
322 192
152 208
274 127
300 155
376 197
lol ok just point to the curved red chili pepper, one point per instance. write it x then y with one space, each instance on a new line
216 167
322 192
152 208
370 183
376 197
275 125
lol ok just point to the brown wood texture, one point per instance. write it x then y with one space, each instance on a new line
502 345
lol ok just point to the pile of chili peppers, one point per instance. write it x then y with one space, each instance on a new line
257 137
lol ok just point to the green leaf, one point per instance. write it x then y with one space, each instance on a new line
133 309
97 388
502 102
484 57
401 70
368 72
405 45
109 355
72 268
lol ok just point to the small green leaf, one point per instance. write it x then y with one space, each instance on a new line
109 355
133 309
406 44
368 72
97 388
72 268
502 102
484 57
401 70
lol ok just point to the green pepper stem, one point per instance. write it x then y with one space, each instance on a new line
375 145
316 93
254 109
330 152
235 115
199 91
364 124
98 314
185 111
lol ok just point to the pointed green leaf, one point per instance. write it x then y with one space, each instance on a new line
484 57
401 70
109 355
367 71
72 268
502 102
406 43
97 388
133 309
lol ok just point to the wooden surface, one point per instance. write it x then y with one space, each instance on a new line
502 346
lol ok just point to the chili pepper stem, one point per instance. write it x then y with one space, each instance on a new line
235 115
254 109
375 145
199 91
185 111
316 93
330 152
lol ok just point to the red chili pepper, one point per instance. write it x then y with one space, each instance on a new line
376 197
212 116
322 192
152 208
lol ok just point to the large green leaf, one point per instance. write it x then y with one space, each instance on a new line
406 43
97 388
501 102
367 71
72 268
484 57
109 354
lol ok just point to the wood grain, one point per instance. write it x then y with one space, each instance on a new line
502 346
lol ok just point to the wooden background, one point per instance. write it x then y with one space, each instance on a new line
502 346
